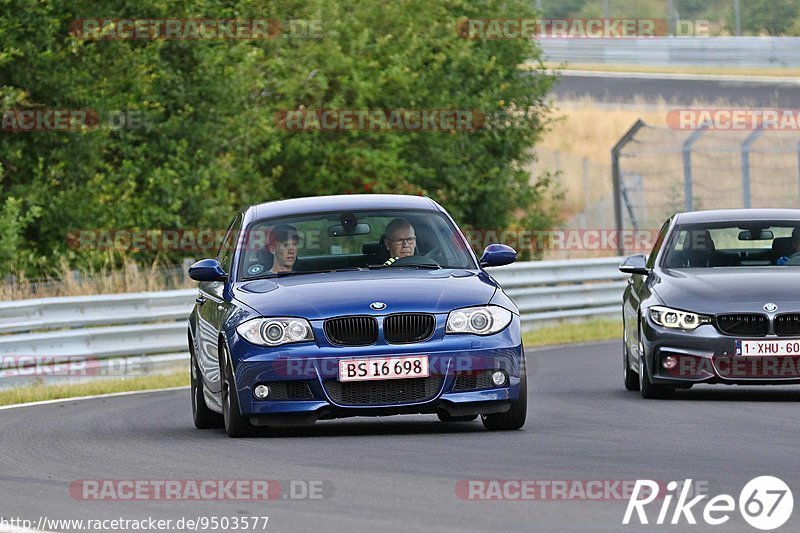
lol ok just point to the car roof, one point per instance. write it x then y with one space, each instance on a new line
344 202
736 215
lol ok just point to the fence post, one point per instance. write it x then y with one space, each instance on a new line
616 176
746 146
798 162
688 200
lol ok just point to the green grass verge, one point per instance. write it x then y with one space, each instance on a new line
590 330
37 393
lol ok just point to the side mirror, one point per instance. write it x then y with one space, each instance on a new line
207 270
635 264
496 255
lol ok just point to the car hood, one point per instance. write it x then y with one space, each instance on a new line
317 296
730 289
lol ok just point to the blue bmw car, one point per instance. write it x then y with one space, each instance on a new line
359 305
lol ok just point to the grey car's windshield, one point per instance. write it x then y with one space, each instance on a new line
351 240
734 244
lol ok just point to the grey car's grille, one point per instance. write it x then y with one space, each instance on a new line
408 328
383 392
754 325
289 390
479 380
788 324
352 330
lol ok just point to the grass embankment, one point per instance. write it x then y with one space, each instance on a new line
37 393
569 333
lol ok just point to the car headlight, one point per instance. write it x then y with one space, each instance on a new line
275 331
675 319
483 320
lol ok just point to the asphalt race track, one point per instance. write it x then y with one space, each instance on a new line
678 92
400 474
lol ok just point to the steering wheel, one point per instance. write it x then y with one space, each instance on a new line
416 260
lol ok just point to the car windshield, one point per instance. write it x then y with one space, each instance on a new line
351 240
733 244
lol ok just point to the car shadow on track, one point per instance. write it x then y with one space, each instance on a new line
342 428
728 393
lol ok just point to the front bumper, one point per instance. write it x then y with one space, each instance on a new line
707 356
315 366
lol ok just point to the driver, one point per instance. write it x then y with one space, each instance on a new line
283 241
401 241
793 259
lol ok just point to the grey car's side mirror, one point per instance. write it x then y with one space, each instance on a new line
635 264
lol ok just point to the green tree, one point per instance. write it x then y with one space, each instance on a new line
208 142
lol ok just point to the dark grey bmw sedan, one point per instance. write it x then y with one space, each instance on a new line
716 301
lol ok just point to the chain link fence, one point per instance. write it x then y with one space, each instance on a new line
659 171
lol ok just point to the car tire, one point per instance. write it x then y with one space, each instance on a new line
649 389
204 418
444 417
236 425
514 418
630 377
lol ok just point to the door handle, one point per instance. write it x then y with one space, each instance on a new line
200 300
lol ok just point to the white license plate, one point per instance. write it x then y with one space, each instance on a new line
768 348
415 366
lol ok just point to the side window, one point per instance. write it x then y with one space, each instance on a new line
651 261
225 255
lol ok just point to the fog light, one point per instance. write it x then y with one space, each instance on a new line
499 378
669 362
261 392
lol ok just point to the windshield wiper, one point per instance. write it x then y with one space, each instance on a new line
412 265
298 272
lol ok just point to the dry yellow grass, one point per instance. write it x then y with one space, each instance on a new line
36 393
130 278
586 129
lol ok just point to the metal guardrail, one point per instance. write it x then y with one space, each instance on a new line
151 327
749 52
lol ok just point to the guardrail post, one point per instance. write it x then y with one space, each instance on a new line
617 178
688 199
746 146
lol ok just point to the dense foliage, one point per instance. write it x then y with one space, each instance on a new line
202 139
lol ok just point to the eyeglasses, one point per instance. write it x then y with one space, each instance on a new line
409 240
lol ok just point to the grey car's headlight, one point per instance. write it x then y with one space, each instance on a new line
675 319
483 320
275 331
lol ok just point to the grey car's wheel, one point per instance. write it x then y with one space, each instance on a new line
235 424
649 389
514 418
204 418
630 377
444 417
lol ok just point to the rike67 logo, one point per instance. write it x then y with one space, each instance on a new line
765 503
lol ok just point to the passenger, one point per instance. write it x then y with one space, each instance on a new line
401 240
283 241
793 259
